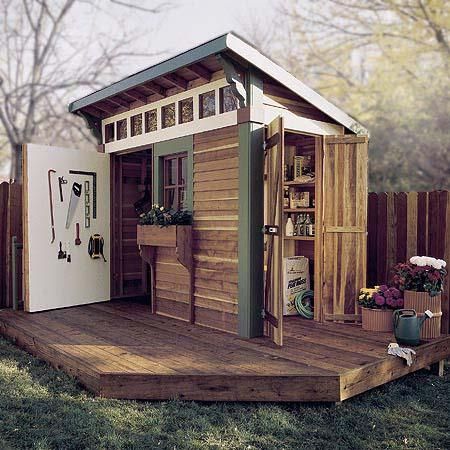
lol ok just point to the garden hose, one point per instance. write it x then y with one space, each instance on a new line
304 304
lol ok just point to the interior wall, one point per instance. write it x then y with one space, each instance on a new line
131 174
52 282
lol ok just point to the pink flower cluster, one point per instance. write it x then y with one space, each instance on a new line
389 297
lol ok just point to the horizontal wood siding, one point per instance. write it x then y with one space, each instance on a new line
216 219
405 224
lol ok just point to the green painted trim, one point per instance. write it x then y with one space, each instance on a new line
165 148
191 56
251 217
251 221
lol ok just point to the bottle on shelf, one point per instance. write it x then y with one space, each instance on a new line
286 197
289 227
306 225
312 227
299 224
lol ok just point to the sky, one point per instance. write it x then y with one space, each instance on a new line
196 21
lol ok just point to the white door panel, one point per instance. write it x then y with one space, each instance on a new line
51 282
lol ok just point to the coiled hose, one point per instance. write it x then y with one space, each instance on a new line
304 304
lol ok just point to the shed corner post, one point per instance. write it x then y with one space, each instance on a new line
251 215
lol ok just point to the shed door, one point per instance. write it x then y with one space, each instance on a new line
51 282
273 297
344 224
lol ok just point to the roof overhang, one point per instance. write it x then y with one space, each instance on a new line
226 43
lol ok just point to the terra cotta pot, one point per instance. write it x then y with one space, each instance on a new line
420 302
377 319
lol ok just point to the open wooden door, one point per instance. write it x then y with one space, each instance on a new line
344 224
51 281
273 295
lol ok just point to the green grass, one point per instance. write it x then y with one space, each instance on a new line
42 408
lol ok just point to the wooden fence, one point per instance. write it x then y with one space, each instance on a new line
10 225
405 224
400 225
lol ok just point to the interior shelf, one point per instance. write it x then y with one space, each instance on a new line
299 210
299 238
298 183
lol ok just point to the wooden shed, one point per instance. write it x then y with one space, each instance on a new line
225 133
214 130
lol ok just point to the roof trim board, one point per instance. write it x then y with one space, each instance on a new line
235 44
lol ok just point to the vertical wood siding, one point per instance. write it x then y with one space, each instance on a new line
405 224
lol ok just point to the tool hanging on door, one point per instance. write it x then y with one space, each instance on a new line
61 253
52 218
61 181
94 188
95 247
77 236
69 256
74 197
87 204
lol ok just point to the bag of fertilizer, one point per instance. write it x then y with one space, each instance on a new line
295 280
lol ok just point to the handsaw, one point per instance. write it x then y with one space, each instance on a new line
52 218
74 197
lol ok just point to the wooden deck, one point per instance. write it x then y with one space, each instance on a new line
119 350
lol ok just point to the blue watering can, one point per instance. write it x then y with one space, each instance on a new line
407 325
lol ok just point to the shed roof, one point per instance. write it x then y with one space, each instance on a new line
157 79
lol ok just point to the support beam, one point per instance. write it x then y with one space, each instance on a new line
156 88
106 107
233 77
176 80
251 217
119 102
136 95
200 71
94 124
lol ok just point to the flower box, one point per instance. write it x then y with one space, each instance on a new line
377 319
157 236
420 302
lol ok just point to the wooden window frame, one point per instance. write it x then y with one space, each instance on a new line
180 184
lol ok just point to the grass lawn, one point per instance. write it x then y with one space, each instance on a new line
45 409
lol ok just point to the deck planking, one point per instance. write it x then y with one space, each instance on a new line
119 349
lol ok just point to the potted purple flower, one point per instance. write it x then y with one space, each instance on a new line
422 279
377 306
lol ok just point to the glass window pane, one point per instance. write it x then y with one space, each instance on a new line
121 129
171 172
228 101
186 112
182 198
168 115
136 124
151 121
109 132
207 104
183 170
169 199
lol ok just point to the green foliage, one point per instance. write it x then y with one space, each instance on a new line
42 408
159 215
